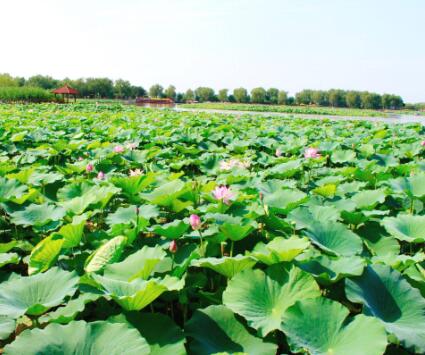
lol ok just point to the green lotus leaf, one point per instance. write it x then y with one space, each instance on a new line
165 194
137 294
8 258
377 241
306 216
161 333
108 253
123 215
128 215
342 204
343 156
96 338
334 238
330 269
350 187
406 227
45 254
274 185
215 330
286 170
262 298
330 180
399 262
235 232
10 188
284 201
172 230
328 190
412 186
368 199
354 218
40 179
37 215
37 293
137 265
387 296
226 266
7 327
132 185
73 232
385 160
79 199
5 247
68 312
280 250
320 327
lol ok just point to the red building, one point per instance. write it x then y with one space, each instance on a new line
149 102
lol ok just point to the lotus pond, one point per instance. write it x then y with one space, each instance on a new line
134 231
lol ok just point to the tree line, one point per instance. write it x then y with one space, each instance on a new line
123 89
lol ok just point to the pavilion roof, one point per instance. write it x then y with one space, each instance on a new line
66 89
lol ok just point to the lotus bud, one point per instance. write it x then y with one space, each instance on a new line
173 247
195 221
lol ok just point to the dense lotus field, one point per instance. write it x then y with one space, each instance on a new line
131 231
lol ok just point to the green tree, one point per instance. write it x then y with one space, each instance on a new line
204 94
241 95
282 97
42 81
156 91
353 99
223 95
170 92
189 95
320 98
392 102
100 87
272 96
258 96
6 80
138 91
122 89
290 100
179 97
371 100
337 98
304 97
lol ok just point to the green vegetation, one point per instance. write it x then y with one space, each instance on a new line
104 88
136 231
313 110
25 94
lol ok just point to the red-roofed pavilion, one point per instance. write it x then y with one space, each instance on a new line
66 91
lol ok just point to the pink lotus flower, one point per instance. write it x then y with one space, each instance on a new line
311 153
135 172
101 175
423 143
223 193
195 221
132 146
80 158
278 152
172 247
89 167
118 149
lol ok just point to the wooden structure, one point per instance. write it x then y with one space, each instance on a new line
66 91
149 102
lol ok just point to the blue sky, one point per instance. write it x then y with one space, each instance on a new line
375 45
